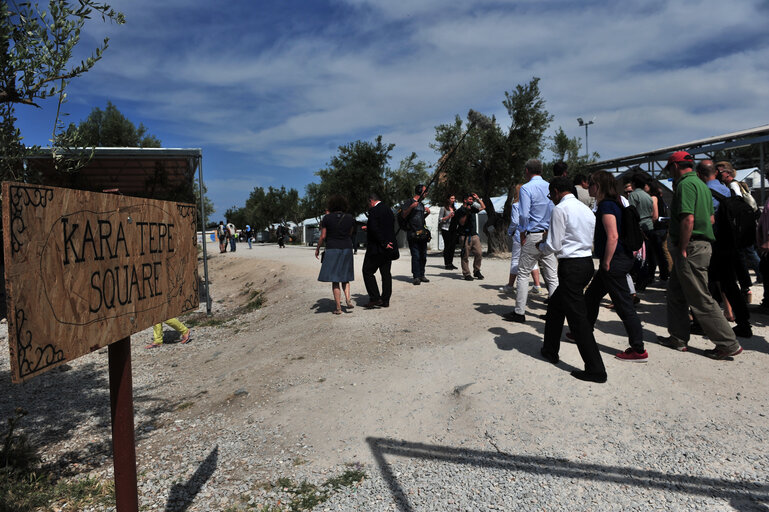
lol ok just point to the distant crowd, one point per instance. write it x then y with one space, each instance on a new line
701 245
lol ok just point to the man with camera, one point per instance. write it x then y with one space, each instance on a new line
467 230
414 212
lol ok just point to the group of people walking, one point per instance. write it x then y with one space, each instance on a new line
558 228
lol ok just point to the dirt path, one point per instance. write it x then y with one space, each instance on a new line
291 384
439 365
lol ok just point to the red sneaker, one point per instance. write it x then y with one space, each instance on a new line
633 356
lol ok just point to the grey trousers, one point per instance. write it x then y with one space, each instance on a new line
530 256
688 287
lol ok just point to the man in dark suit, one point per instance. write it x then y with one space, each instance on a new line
380 236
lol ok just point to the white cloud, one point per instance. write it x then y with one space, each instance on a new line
655 73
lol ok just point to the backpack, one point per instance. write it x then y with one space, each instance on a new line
735 217
630 233
747 196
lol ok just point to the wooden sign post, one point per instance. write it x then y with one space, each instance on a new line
85 270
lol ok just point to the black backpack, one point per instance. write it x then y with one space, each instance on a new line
735 221
630 233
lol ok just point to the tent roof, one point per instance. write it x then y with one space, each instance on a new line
158 173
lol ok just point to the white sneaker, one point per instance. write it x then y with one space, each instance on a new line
507 288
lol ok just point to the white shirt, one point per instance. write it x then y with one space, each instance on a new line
571 230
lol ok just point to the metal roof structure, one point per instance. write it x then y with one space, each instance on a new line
156 173
655 160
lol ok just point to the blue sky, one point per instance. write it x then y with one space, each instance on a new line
269 90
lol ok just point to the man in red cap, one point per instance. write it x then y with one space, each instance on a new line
691 232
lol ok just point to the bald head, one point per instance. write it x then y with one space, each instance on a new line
706 170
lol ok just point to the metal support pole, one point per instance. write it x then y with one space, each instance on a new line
762 163
203 224
122 407
587 147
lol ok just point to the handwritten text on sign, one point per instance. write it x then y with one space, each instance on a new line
85 269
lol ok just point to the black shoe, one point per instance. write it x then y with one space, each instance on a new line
515 317
424 279
550 358
372 304
743 331
417 281
478 274
385 304
600 378
468 277
450 267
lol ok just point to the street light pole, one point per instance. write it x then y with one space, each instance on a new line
583 123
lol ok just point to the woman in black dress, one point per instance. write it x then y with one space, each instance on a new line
337 266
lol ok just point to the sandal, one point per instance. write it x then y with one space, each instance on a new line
186 338
153 345
338 312
350 304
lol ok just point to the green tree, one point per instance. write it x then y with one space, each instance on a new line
357 170
110 128
313 203
275 206
207 203
567 149
490 162
400 182
237 216
36 47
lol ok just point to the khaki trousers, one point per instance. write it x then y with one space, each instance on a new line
688 288
471 244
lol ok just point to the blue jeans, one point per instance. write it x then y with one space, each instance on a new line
418 257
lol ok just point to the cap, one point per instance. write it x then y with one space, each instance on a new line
680 156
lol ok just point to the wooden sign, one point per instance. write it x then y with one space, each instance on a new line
83 270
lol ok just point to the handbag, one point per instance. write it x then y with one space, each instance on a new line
393 253
423 235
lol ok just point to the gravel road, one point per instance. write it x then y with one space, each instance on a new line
441 402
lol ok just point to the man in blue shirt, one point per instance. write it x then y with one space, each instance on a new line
536 208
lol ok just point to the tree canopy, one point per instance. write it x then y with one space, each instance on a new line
263 208
37 46
567 149
490 162
110 128
357 170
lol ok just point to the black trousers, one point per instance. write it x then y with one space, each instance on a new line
722 271
657 238
614 282
449 245
372 263
568 302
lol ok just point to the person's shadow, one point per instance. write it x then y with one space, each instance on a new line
525 343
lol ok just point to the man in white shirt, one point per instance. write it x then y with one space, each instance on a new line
570 238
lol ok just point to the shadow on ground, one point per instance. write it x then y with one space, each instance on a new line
742 495
182 495
54 416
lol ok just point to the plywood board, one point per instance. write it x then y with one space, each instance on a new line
84 269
